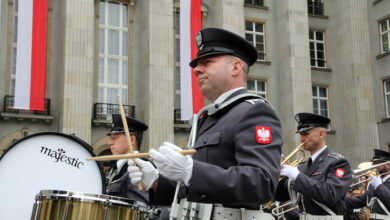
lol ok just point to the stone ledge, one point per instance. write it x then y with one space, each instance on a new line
331 132
382 55
376 2
263 62
256 6
182 127
321 69
22 117
319 16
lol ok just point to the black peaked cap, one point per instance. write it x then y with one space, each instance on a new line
308 121
132 124
217 41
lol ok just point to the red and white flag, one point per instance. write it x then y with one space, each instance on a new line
190 23
31 55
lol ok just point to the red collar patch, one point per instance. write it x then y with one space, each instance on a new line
263 134
339 172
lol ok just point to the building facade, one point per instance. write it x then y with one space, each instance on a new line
324 56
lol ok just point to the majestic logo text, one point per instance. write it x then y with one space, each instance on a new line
59 155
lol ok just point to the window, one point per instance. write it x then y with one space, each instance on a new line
386 87
315 7
384 31
254 33
254 2
257 87
113 48
317 48
14 46
320 100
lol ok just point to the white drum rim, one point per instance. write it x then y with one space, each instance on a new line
89 198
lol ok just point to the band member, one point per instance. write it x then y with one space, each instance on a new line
378 194
321 182
239 139
119 182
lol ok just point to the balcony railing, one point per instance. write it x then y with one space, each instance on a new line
9 107
103 111
177 117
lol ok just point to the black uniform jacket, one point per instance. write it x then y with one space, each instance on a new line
326 181
382 192
232 166
121 186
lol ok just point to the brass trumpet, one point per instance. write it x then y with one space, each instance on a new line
286 161
357 174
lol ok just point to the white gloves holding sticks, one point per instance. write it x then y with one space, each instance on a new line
169 163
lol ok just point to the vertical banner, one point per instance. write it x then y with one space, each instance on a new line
31 55
190 23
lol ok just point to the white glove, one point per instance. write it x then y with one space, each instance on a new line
375 181
289 171
171 164
144 172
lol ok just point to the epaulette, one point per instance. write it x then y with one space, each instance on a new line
336 155
253 101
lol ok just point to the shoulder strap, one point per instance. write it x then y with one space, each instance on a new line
214 108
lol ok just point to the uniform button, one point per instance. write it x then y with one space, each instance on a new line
203 197
204 141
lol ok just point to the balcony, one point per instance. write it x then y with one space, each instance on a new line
20 114
102 112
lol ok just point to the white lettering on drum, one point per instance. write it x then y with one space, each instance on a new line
59 155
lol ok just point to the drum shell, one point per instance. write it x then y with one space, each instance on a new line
52 205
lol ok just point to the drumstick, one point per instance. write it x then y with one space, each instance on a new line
131 156
124 122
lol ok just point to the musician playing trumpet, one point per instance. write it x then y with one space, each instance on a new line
321 182
378 194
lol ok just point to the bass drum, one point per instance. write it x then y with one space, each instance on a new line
47 160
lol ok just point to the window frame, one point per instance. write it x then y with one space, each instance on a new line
318 99
122 58
264 93
382 33
314 5
316 43
385 95
253 33
253 3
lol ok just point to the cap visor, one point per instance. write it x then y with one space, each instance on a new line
195 61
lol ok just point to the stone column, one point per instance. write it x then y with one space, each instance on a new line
154 69
76 106
227 14
359 127
293 66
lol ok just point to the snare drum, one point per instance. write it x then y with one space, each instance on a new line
51 205
41 161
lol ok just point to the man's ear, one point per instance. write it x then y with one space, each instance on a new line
236 67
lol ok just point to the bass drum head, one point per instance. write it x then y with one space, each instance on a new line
42 161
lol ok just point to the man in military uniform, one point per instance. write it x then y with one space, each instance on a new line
378 194
321 182
119 182
239 138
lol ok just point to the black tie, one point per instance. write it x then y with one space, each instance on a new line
309 162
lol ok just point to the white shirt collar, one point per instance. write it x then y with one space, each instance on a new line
222 97
316 154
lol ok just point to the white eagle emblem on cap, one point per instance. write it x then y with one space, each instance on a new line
199 40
